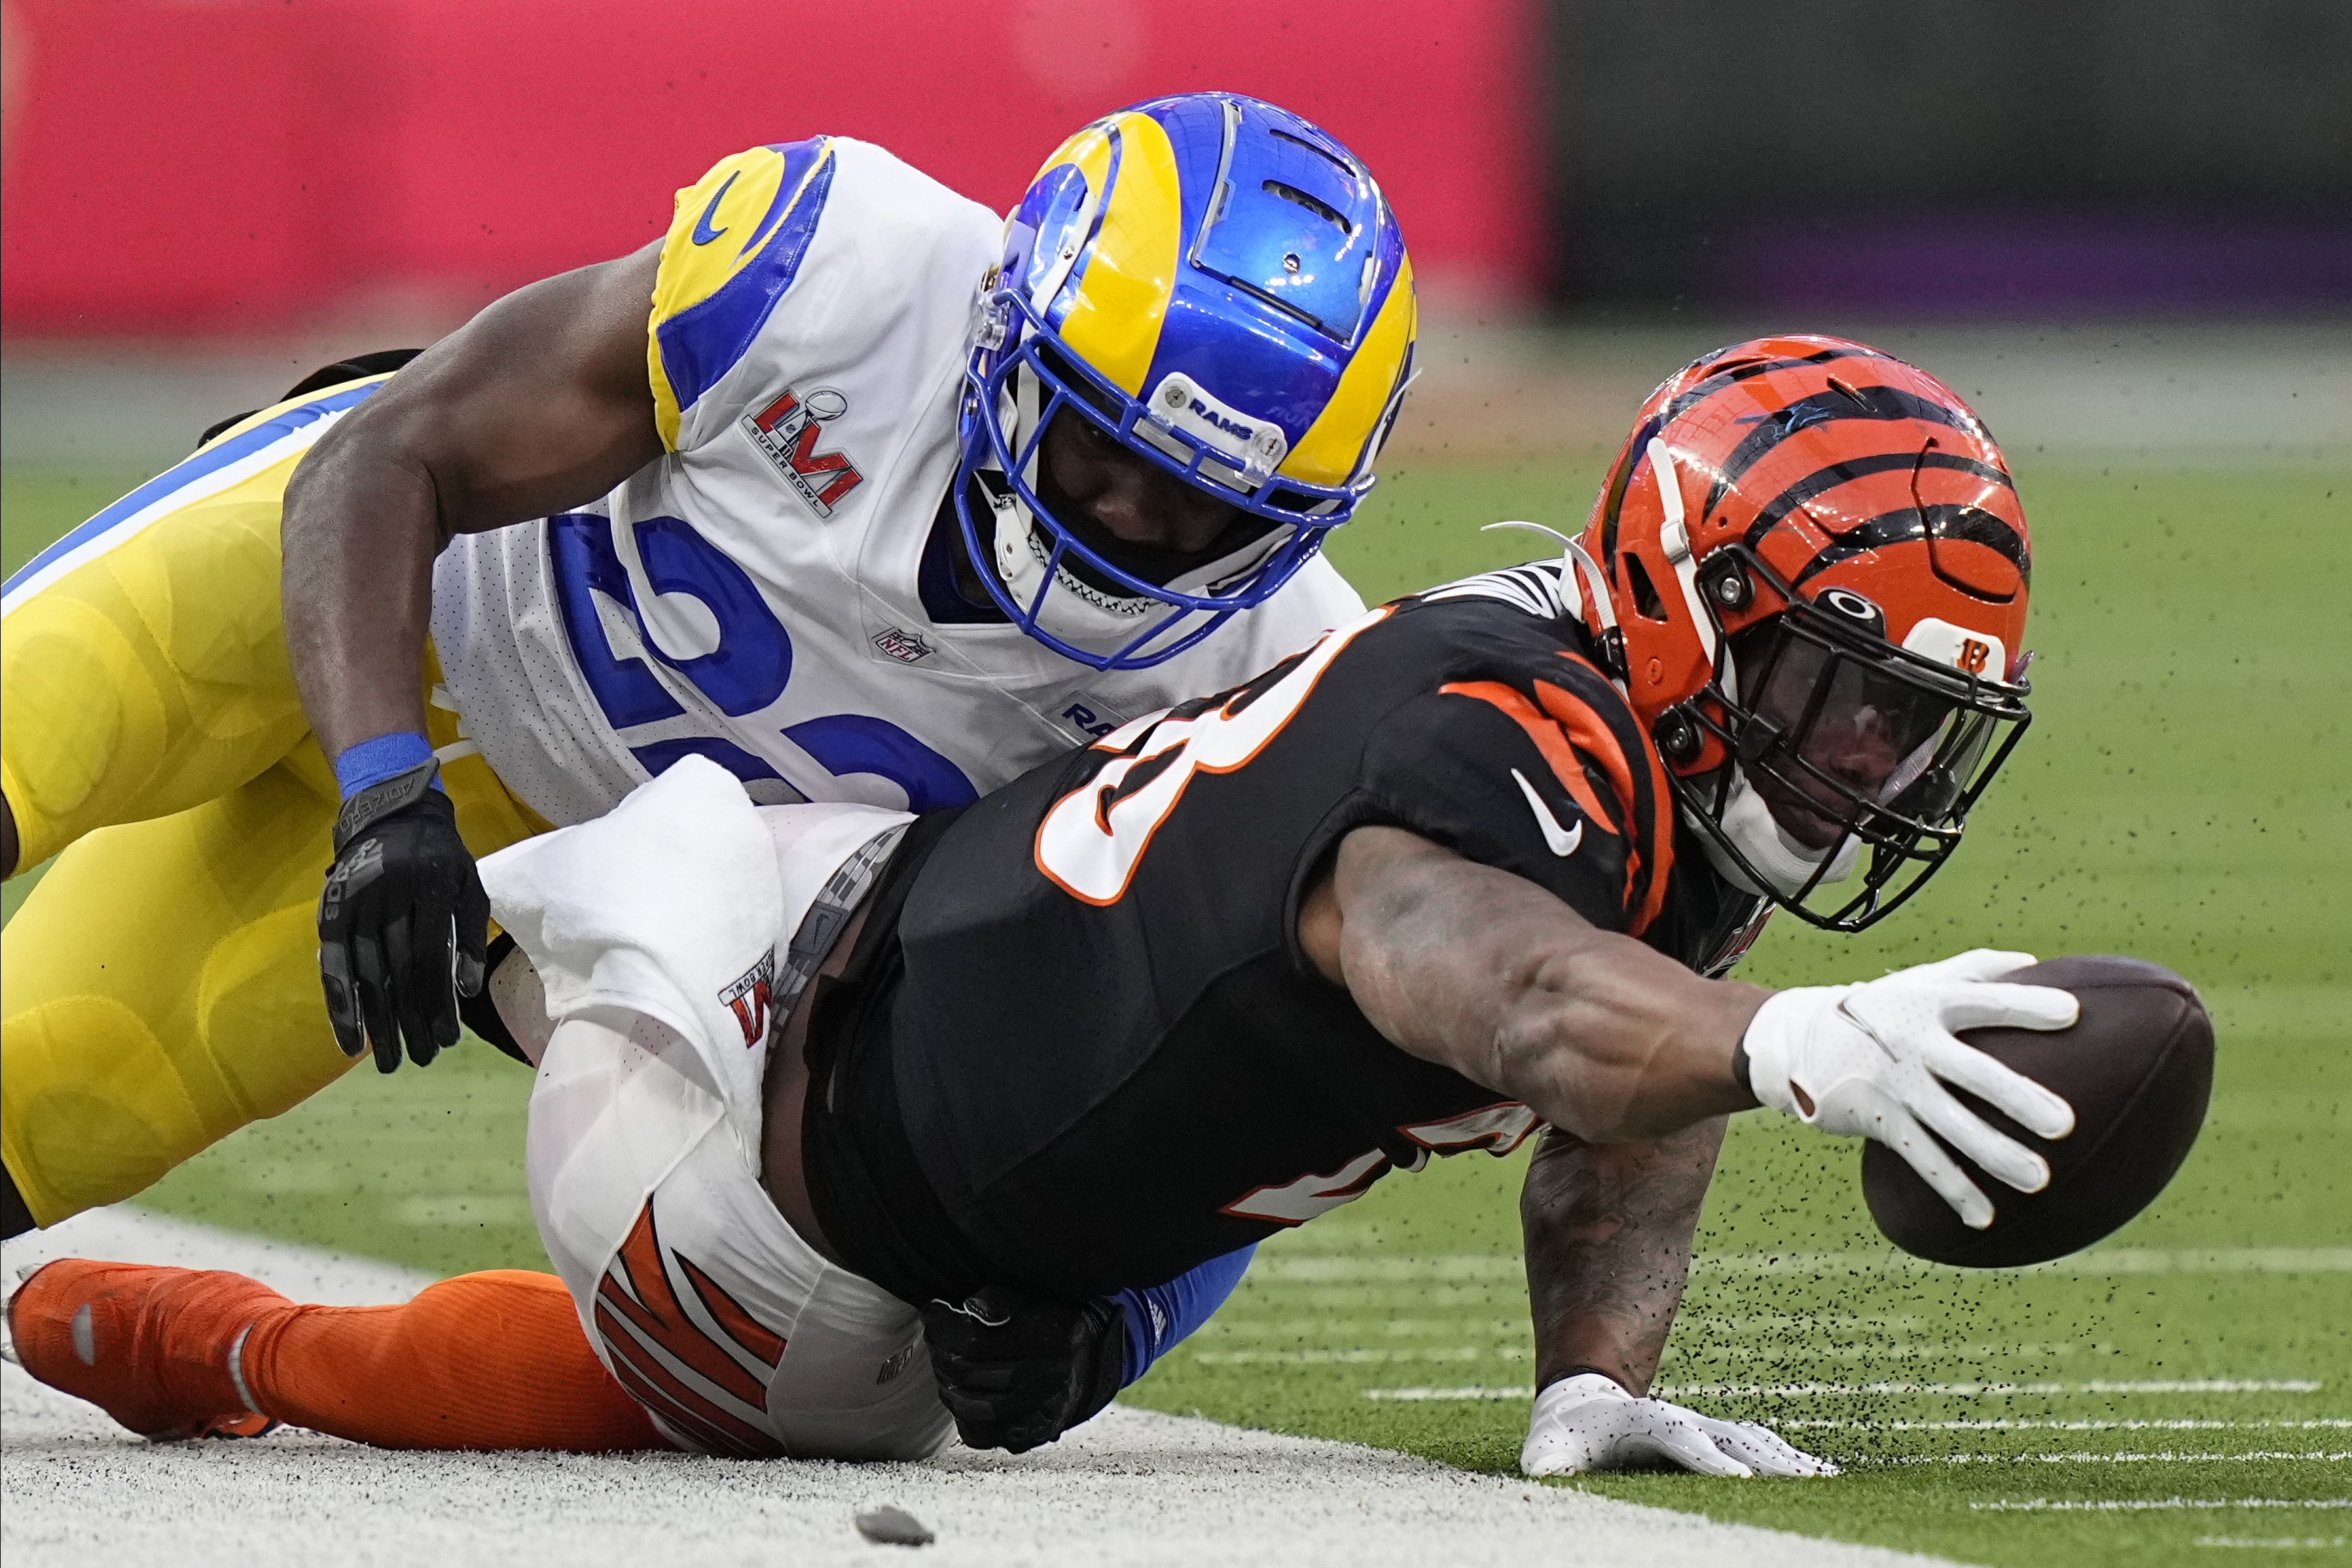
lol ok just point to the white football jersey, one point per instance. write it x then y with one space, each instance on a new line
757 595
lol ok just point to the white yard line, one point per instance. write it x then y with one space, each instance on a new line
1457 1266
2003 1390
2317 1424
2319 1455
2139 1505
1336 1356
1880 1390
1130 1487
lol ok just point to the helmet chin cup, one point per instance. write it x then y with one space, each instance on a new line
1753 849
1068 608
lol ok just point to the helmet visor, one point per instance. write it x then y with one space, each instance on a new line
1850 740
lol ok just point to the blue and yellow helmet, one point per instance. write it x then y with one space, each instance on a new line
1220 287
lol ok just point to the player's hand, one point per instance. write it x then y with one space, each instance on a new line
1017 1370
402 921
1588 1423
1872 1060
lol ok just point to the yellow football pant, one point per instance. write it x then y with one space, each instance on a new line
159 988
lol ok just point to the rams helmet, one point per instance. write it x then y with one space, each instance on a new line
1219 288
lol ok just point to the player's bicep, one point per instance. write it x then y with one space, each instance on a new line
537 404
1443 955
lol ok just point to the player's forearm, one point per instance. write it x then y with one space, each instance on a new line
360 534
1608 1230
539 404
1617 1043
1490 974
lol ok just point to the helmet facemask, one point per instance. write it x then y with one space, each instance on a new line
1842 750
1059 578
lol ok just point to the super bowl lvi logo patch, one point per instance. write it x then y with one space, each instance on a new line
749 996
787 431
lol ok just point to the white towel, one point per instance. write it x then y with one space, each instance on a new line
660 907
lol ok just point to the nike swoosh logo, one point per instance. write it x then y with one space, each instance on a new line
1562 841
703 233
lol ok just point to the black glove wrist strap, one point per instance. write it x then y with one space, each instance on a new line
380 801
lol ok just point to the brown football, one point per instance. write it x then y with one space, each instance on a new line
2138 1067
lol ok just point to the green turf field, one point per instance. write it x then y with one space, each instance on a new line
2182 1390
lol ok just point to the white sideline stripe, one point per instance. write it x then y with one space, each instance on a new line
2135 1505
1843 1390
1129 1489
1457 1266
1818 1423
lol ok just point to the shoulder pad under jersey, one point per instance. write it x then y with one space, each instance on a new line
826 239
1541 588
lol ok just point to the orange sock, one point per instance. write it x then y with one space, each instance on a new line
494 1359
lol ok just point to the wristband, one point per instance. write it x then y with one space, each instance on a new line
371 762
382 798
1743 1072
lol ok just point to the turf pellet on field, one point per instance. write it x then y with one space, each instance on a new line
888 1526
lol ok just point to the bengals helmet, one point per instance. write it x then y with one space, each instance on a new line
1809 570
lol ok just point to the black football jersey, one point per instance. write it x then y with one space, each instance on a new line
1091 1052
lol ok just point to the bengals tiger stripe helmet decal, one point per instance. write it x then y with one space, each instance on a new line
1811 575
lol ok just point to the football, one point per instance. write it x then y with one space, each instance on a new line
2138 1067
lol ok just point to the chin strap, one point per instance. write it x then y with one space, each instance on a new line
1746 822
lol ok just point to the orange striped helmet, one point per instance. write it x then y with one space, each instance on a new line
1812 571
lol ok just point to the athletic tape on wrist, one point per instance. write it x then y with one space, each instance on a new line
380 800
372 762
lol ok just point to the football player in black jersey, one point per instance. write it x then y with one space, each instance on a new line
1464 869
1470 867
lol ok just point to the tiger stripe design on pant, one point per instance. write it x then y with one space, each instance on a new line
687 1369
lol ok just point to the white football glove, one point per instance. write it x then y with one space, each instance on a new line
1873 1061
1588 1423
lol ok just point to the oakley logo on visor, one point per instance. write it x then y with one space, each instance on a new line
1855 608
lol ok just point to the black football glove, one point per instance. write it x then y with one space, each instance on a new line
402 922
1017 1370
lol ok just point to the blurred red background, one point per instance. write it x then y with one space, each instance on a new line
179 167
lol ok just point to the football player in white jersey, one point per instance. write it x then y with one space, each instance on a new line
883 500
